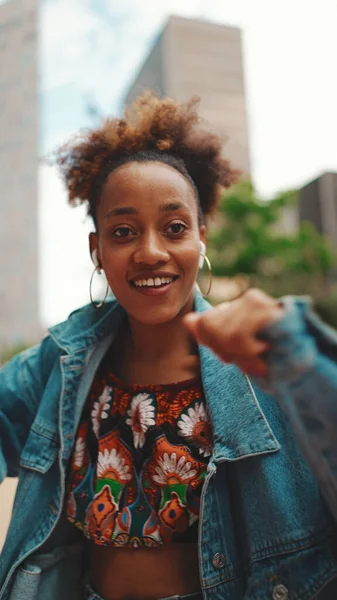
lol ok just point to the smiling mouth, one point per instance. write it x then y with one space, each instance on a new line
155 282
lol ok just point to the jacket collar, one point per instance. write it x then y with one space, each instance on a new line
87 326
239 426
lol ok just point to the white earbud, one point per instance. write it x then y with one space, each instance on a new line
94 257
202 254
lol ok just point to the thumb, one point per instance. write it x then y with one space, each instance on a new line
191 322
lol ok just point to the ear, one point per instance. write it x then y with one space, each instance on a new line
93 248
202 234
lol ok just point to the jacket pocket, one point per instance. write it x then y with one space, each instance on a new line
51 576
26 583
39 452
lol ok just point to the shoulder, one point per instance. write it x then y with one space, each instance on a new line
87 325
26 374
299 317
86 316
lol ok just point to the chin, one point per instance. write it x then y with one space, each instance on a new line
157 311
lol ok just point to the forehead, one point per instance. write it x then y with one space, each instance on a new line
148 183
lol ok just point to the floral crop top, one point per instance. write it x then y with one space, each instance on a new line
139 462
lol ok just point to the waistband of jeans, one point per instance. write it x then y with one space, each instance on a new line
90 594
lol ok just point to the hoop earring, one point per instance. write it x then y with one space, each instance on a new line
208 263
97 304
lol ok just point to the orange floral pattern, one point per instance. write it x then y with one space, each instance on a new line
139 461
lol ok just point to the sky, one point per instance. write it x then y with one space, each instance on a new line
90 51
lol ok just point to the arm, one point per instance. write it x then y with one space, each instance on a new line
302 375
291 354
22 381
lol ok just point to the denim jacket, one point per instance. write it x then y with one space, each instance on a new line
264 531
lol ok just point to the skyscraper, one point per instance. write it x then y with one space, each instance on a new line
193 57
18 172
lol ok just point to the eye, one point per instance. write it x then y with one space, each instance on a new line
176 228
123 232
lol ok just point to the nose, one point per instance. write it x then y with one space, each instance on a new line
151 250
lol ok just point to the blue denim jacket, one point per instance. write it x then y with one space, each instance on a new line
264 530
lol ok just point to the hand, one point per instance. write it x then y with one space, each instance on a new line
231 329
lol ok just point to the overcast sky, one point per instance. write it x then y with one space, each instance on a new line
90 51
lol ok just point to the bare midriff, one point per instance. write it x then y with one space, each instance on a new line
144 573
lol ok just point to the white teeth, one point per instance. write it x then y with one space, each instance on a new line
158 281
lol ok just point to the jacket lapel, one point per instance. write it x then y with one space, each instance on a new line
240 428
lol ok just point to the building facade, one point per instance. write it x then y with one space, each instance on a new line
199 58
318 204
18 173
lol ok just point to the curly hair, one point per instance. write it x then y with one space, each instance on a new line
153 129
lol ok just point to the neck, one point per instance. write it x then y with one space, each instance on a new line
159 343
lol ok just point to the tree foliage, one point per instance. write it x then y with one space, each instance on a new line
248 238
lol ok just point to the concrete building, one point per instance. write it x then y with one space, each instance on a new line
192 57
18 172
318 204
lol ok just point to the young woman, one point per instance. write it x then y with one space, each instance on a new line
147 467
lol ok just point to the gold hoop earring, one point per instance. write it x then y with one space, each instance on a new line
97 304
208 263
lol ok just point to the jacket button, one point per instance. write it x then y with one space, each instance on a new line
280 592
218 560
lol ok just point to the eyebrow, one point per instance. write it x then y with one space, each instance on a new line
130 210
171 206
123 210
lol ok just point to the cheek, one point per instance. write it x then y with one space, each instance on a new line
115 267
191 252
188 260
115 272
114 255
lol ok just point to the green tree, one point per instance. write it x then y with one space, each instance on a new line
246 238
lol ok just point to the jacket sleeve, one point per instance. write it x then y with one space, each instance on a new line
303 377
22 382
